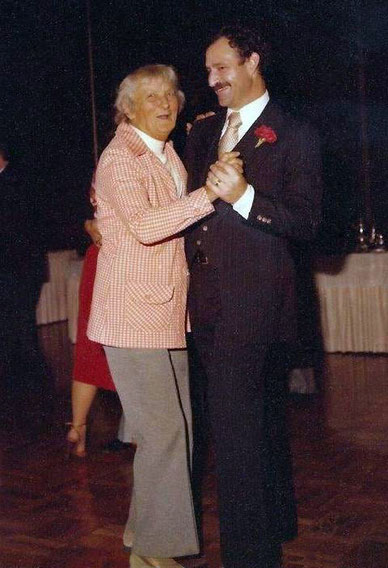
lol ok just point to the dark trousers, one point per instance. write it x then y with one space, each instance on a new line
245 398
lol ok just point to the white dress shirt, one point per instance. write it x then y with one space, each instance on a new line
248 114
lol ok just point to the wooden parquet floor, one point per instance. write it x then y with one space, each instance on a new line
56 513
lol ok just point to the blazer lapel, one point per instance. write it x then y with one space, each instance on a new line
148 158
176 163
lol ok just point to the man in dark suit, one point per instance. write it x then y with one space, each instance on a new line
242 293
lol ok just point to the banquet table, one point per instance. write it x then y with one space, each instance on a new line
353 296
52 305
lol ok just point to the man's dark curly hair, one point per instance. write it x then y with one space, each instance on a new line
245 40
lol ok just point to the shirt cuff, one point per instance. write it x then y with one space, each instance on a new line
243 205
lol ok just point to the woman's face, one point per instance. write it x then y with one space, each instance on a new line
155 108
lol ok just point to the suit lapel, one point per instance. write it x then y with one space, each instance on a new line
271 116
212 156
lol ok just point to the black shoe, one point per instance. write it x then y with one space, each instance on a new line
115 445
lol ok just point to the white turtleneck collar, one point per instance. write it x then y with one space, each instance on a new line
156 146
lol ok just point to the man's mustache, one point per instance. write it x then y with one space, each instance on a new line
219 86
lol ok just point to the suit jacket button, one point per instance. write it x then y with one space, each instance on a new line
204 228
260 218
198 243
269 221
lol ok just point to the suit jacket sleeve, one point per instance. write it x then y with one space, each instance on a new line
126 188
295 212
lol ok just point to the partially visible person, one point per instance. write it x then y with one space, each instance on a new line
139 307
90 370
22 271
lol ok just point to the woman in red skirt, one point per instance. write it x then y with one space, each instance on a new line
90 370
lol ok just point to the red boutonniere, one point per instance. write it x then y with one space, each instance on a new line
265 134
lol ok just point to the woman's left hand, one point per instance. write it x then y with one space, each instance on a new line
92 229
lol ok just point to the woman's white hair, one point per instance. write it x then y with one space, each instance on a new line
124 100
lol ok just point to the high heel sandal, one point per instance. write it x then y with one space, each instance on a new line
75 439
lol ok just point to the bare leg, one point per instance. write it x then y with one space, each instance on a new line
82 396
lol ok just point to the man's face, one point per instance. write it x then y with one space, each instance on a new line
229 76
155 107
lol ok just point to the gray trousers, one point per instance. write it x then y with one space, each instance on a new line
153 387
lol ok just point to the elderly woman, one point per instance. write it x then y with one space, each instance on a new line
139 306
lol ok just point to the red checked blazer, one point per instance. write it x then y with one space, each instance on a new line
139 297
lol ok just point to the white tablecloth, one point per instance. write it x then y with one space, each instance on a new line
353 296
52 305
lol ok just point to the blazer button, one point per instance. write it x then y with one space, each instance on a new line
259 218
198 243
269 221
204 228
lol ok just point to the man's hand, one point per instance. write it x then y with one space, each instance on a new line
91 228
189 125
226 182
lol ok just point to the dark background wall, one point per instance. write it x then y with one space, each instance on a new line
45 114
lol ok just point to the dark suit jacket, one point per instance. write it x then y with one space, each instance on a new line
252 260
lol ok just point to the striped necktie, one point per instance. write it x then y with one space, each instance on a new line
230 137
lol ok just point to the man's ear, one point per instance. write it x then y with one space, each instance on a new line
253 61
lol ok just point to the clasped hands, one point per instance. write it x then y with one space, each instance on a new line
225 178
